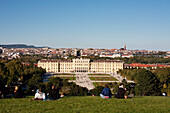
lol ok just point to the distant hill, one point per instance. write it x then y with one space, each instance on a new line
20 46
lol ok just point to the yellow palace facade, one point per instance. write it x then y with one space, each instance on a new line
81 65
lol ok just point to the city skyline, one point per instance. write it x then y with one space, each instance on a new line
87 23
123 47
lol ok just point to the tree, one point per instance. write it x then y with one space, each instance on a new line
163 75
147 83
2 84
76 90
56 81
130 74
124 81
34 82
3 74
15 71
115 87
97 91
32 76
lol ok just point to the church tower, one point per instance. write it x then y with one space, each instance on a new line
124 46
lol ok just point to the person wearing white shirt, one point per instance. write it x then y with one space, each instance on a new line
39 95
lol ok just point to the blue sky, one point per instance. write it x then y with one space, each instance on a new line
141 24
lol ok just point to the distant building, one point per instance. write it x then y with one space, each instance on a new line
0 51
167 55
124 46
127 56
111 56
146 66
81 65
76 52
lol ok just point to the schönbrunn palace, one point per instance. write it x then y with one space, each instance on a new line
81 65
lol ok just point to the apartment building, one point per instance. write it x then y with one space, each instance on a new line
81 65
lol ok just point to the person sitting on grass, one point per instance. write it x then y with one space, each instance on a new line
39 95
106 93
121 92
18 92
54 93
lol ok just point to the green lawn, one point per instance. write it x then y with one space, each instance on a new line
103 78
69 78
88 104
95 84
64 74
99 74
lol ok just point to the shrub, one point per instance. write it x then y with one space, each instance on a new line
97 91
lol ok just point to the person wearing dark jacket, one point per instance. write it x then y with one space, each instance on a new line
54 93
121 91
106 93
18 92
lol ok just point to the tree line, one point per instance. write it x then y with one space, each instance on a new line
14 71
148 82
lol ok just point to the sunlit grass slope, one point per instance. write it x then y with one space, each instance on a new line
88 104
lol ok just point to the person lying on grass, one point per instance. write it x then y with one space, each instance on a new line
106 93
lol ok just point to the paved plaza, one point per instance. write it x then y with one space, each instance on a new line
83 80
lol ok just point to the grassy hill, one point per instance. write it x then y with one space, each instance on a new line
88 104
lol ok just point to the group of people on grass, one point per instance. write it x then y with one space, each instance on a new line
16 93
106 92
54 93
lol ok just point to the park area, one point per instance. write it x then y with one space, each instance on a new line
100 83
103 78
98 74
68 78
64 74
87 104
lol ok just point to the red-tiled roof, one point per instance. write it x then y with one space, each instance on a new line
146 65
